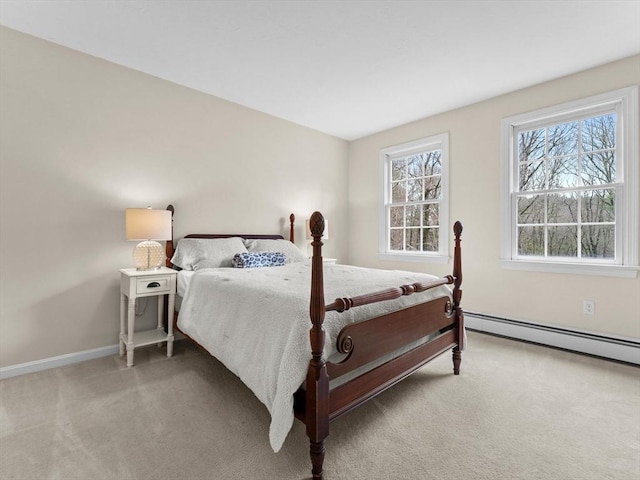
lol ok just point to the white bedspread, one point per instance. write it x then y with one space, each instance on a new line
256 322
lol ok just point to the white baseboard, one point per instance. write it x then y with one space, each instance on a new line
62 360
59 361
611 347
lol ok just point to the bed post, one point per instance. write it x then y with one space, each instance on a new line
457 295
317 398
168 249
292 220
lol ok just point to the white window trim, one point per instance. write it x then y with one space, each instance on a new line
441 142
627 98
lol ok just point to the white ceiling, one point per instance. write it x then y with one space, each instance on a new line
348 68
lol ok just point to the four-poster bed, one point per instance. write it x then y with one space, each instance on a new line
359 345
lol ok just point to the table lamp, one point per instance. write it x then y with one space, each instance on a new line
148 225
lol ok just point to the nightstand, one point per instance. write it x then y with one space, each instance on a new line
136 284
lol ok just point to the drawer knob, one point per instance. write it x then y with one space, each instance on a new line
153 285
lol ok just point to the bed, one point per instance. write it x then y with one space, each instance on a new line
373 334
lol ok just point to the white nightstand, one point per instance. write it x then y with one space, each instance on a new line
145 283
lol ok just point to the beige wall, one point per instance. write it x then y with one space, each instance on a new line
475 200
82 139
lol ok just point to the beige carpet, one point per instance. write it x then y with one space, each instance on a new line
517 411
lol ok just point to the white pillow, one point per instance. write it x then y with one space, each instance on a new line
197 253
293 253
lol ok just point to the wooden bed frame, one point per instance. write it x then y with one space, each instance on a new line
318 404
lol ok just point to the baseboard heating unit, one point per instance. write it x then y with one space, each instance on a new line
611 347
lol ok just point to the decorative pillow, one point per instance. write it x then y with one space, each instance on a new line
259 259
292 253
197 253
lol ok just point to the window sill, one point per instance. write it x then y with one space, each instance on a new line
414 257
619 271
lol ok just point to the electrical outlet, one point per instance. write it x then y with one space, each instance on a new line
588 307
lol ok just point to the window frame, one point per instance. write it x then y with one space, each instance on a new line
624 102
434 142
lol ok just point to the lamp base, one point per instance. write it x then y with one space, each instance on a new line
148 255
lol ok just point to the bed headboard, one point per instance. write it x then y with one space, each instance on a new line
169 249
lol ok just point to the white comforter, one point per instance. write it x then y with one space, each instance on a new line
256 322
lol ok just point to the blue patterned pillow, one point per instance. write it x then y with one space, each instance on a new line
259 259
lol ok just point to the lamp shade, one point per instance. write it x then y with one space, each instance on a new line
147 224
325 234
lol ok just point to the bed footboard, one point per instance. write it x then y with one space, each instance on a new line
438 322
432 323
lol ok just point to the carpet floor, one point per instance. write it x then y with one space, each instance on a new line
517 411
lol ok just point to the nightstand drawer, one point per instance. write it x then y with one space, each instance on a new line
155 285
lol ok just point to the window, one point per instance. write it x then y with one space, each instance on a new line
570 187
414 211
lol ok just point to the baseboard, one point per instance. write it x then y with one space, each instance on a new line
614 348
59 361
62 360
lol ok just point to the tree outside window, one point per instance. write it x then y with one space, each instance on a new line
567 189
